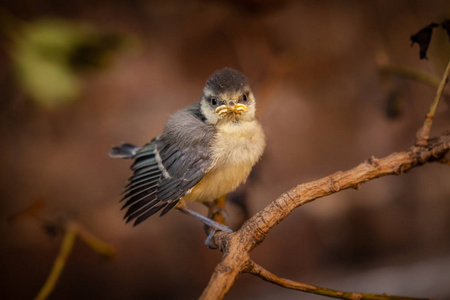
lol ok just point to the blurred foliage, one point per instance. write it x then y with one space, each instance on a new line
394 105
50 57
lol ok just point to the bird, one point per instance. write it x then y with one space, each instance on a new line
205 151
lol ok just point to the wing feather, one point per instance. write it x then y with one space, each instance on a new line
143 182
149 213
138 208
148 196
168 166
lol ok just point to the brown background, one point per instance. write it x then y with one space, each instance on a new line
313 66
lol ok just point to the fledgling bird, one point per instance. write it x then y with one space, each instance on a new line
205 151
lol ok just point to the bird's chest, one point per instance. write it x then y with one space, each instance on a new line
235 149
240 144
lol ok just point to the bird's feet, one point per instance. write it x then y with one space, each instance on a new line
211 226
209 242
210 223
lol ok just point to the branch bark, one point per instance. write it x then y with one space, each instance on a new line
259 271
238 245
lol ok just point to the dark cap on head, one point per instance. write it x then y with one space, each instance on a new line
226 80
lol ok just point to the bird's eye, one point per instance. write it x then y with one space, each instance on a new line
244 98
213 101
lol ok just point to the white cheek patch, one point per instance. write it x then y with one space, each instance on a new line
208 112
207 92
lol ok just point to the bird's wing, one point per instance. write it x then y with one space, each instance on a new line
167 167
125 150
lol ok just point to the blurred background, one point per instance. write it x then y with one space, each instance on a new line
77 77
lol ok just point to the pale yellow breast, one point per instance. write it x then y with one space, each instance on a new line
236 148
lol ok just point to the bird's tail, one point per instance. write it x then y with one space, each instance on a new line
125 150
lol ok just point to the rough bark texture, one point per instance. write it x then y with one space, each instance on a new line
238 245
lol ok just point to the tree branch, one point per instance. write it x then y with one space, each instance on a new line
238 245
262 273
424 132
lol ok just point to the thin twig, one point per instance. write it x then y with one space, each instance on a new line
410 73
72 230
259 271
60 262
31 211
94 242
424 132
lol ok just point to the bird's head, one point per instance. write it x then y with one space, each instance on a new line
227 98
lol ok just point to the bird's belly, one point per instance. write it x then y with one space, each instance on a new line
218 182
236 150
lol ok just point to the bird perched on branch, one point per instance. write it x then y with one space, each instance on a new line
205 151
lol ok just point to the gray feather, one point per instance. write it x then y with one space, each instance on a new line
169 207
184 150
149 213
146 169
146 173
142 180
125 150
142 175
139 208
140 193
144 198
142 187
146 150
226 80
141 163
170 191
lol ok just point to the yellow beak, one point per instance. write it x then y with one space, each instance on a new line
228 109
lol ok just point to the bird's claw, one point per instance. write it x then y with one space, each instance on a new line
209 242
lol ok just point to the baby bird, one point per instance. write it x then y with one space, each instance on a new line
205 151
